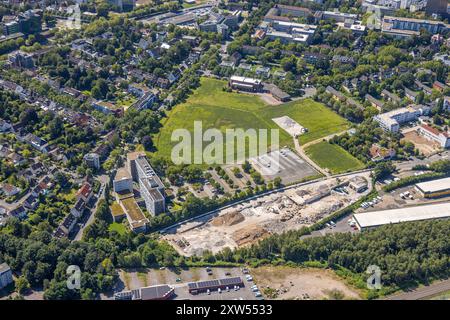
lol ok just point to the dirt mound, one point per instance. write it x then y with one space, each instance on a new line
228 219
249 235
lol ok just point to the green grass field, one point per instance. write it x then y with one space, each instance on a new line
333 157
222 110
118 227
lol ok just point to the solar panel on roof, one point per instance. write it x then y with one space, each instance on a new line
229 281
192 285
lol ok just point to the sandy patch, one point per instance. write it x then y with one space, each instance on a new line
300 283
425 146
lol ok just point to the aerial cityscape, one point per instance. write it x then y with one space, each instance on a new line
212 150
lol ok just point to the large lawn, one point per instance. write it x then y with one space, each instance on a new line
222 110
333 157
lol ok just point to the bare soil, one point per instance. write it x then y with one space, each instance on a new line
300 283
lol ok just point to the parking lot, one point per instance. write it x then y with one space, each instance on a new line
283 163
179 278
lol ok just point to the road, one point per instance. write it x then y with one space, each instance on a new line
423 292
408 165
91 218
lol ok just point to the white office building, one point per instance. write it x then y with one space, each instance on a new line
391 121
123 182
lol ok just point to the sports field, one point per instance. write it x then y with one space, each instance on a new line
219 109
333 157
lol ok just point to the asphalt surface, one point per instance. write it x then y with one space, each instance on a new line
423 292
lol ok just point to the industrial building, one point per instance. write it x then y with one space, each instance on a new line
434 188
369 220
202 286
158 292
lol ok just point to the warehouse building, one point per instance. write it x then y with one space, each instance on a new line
435 188
203 286
158 292
369 220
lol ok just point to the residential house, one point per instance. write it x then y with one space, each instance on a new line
9 190
378 153
439 86
18 212
31 202
5 126
374 102
78 209
85 192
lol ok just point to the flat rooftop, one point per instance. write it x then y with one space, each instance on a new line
425 212
133 211
434 185
4 267
122 174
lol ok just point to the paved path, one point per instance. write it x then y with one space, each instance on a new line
303 154
327 138
423 292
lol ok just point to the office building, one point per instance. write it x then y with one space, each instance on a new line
391 121
150 185
11 27
407 27
123 183
435 135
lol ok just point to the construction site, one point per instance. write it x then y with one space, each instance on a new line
280 211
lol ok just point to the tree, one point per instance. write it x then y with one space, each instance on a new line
246 166
383 169
277 182
22 285
147 142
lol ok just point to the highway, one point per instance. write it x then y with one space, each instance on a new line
423 292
